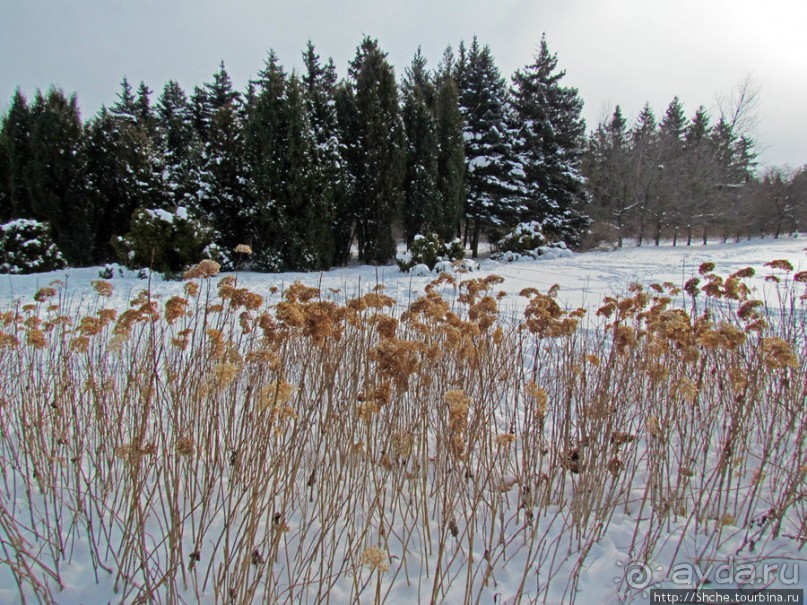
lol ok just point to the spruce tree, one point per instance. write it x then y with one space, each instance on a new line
671 168
490 168
126 105
135 120
549 143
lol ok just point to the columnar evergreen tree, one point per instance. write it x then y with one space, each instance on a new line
374 150
549 144
422 210
264 152
308 213
287 213
5 197
15 159
328 172
346 206
55 173
179 147
135 119
490 163
111 181
450 179
223 196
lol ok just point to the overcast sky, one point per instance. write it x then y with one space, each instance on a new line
614 52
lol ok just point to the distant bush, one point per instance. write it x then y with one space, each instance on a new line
523 238
528 241
429 250
167 242
27 247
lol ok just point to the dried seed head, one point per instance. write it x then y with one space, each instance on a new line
747 310
653 426
103 288
375 559
44 294
36 338
90 326
276 394
686 389
744 273
706 267
191 288
206 268
185 446
80 344
777 354
402 443
107 315
781 263
540 397
386 326
505 440
175 307
225 373
299 292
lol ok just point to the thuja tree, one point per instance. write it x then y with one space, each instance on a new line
223 196
291 216
373 137
421 196
328 187
55 174
450 179
15 159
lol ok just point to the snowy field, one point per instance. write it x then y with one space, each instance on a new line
583 279
324 511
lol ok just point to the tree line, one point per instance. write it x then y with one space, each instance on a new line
304 166
687 179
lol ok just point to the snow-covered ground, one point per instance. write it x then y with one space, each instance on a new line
609 574
583 279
